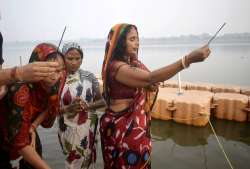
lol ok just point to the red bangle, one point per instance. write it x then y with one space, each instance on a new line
13 74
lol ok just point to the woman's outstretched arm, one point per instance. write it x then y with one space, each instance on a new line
136 77
31 72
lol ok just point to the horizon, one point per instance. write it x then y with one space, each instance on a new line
180 37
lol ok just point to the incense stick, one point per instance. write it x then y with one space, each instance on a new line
61 38
210 40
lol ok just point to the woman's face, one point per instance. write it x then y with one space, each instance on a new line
73 61
132 43
51 80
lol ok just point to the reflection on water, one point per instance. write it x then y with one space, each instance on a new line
181 146
183 135
177 146
233 131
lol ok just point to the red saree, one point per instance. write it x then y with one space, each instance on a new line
125 136
22 105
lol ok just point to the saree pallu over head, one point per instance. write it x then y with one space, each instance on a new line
125 135
25 101
112 42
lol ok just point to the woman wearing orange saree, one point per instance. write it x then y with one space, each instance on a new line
25 107
127 83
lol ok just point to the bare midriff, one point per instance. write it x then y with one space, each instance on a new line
117 105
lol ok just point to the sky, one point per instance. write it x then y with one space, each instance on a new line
29 20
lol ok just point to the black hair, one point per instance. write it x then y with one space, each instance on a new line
120 49
78 50
54 55
118 54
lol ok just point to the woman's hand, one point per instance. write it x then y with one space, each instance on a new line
197 55
31 156
32 133
36 71
153 87
84 105
75 107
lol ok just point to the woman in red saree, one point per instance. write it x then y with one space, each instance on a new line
25 107
127 83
